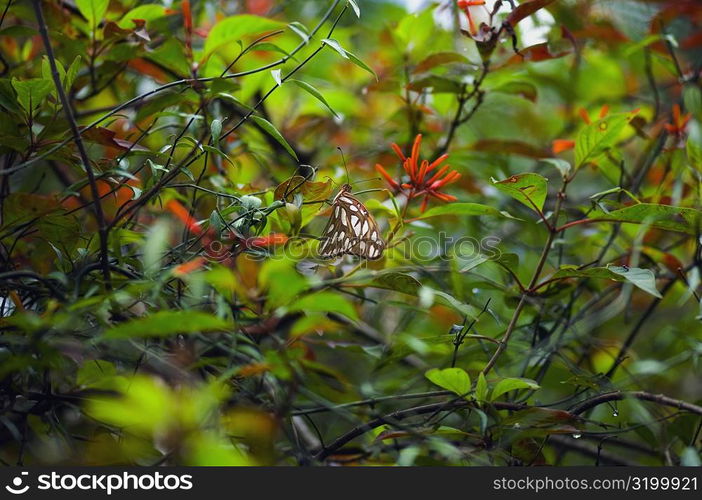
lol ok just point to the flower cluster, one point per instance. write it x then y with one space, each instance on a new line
477 14
420 183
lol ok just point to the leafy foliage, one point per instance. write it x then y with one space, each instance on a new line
164 173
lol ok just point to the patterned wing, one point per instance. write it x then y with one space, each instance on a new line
351 230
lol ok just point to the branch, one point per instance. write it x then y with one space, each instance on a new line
458 119
660 399
534 279
369 402
462 403
401 415
56 292
621 355
68 110
603 457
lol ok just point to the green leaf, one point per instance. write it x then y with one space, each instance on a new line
71 74
300 30
327 302
642 278
166 323
46 73
355 8
93 10
474 262
31 93
415 31
438 59
270 47
692 97
358 62
314 93
273 132
399 282
147 12
563 166
95 372
218 152
136 192
282 280
529 189
693 145
509 260
451 379
348 55
680 219
527 90
451 301
336 46
511 384
155 247
481 388
597 137
690 457
462 209
614 190
275 73
17 31
216 130
437 85
171 55
235 28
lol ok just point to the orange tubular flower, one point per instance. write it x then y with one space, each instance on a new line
188 267
266 241
183 214
420 182
476 13
679 124
560 145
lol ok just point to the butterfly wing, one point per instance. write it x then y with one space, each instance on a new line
351 230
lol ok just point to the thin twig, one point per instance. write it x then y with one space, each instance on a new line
68 110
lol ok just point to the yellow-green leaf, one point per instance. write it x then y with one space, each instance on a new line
451 379
166 323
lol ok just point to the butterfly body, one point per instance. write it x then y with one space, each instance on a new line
351 229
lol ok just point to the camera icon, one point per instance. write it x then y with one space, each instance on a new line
16 487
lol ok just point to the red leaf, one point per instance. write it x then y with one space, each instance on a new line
525 9
437 60
107 137
692 41
535 53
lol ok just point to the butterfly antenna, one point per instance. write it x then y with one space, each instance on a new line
348 178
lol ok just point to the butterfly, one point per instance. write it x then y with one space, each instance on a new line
351 229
